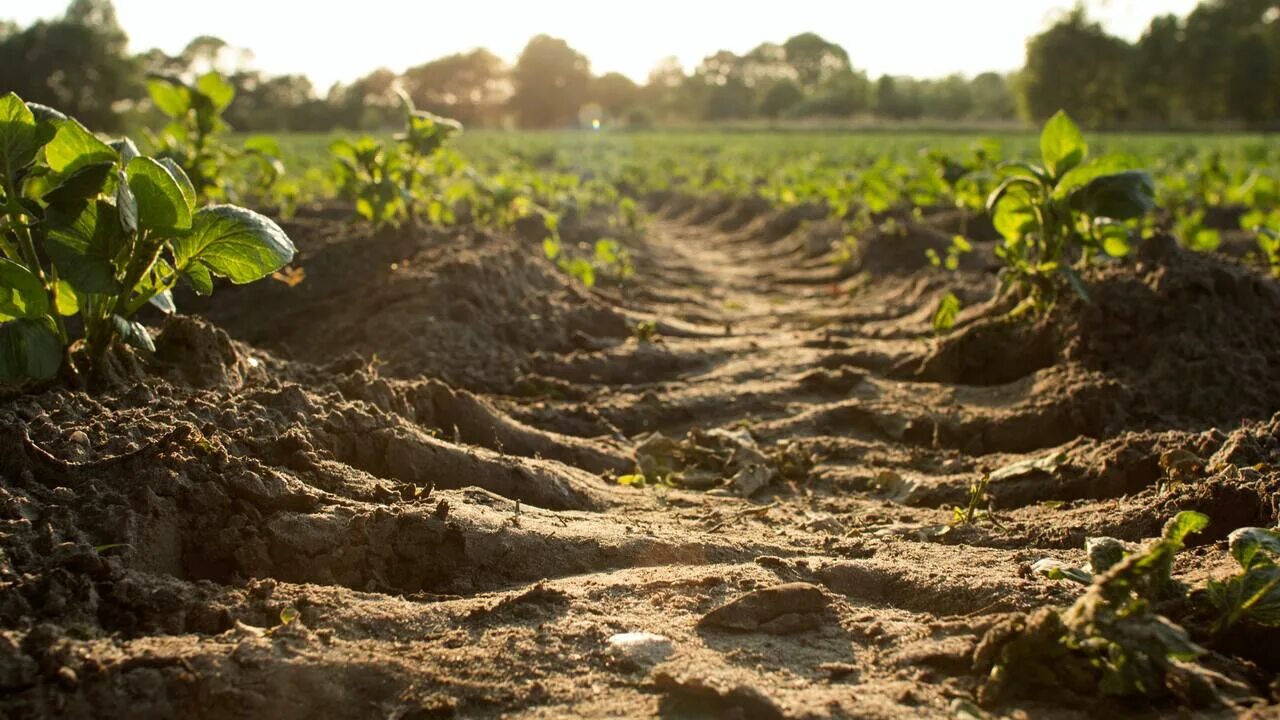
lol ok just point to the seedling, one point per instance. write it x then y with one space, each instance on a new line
979 507
1254 594
1057 216
944 318
391 183
193 136
609 258
645 331
951 261
1110 641
1269 244
97 230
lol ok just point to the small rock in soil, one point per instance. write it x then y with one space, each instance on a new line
793 607
639 649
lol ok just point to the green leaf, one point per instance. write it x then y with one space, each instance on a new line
1260 595
74 147
21 292
1204 240
264 144
1114 237
427 132
235 243
1184 524
133 333
1252 546
164 205
1013 214
1120 196
944 318
83 241
1079 176
163 301
126 149
68 299
170 96
200 278
126 205
29 348
220 92
184 182
19 140
86 183
1104 553
1061 144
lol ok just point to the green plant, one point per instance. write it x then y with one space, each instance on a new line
1254 594
1057 216
97 230
390 183
944 317
645 331
1189 229
608 257
951 261
193 136
980 505
1269 244
1110 641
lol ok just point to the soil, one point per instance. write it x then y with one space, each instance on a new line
390 491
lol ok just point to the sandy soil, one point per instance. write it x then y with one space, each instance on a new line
390 491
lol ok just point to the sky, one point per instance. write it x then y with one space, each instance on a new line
340 41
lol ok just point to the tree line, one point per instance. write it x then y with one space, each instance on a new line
1218 66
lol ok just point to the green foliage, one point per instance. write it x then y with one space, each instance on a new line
95 230
393 183
944 318
1057 216
1269 244
979 507
607 258
1110 641
1253 595
959 247
193 137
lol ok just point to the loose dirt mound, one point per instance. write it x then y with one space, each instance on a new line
469 308
282 525
1194 338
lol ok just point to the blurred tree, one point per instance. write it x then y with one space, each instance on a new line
77 63
897 98
992 97
367 103
615 93
663 95
782 95
815 60
550 80
471 87
1154 84
1076 66
950 98
719 89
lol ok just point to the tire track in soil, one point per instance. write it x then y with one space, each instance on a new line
471 604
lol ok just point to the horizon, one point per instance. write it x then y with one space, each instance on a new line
913 48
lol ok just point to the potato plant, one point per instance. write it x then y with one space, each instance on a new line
393 182
96 230
1253 595
193 136
1059 215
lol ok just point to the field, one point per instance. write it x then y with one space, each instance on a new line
760 397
